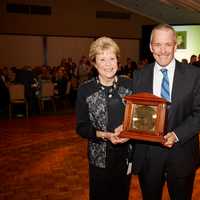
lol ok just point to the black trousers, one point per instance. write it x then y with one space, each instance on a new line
156 171
108 184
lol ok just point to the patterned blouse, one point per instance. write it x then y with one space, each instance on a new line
101 108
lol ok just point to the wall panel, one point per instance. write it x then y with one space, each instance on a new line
64 47
19 50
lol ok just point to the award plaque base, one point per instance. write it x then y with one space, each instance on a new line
144 117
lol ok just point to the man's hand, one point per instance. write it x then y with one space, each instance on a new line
170 139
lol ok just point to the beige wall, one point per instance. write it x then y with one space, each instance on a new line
75 21
20 50
72 18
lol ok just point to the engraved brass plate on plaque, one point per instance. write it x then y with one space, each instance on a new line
144 118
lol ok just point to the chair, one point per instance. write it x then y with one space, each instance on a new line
46 94
17 96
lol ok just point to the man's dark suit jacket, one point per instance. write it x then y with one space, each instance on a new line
183 118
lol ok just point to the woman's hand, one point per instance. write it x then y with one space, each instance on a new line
117 132
113 137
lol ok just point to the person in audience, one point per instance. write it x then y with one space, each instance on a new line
5 72
83 70
72 90
63 62
193 59
197 63
44 74
71 68
12 75
99 111
120 70
4 94
184 61
61 83
134 66
142 63
175 161
128 70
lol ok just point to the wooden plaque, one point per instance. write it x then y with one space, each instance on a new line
144 117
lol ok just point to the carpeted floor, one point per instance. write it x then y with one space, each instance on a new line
42 158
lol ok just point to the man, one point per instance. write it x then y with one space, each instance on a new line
197 63
175 160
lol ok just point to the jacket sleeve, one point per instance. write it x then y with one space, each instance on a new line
190 125
84 126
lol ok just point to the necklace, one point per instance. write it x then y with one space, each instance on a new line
110 88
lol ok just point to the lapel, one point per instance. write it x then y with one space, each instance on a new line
177 82
147 78
177 92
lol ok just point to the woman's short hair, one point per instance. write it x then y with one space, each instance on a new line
101 44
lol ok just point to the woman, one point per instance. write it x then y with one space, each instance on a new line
100 110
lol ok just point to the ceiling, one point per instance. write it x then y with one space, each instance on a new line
164 11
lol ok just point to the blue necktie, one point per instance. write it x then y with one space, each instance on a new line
165 85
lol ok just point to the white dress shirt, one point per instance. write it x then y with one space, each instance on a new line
157 80
158 76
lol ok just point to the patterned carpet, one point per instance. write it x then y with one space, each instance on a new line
42 158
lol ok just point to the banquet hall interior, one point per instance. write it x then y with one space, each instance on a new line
43 60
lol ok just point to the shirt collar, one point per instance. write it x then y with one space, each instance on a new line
170 67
